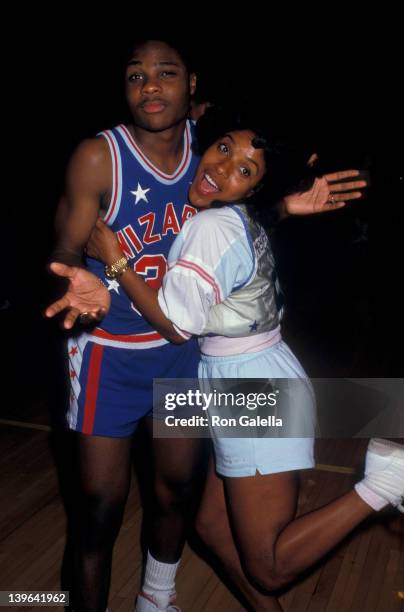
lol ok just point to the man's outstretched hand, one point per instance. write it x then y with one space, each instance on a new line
330 192
86 298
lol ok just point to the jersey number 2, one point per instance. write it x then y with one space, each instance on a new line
152 268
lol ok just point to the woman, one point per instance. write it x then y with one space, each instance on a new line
220 282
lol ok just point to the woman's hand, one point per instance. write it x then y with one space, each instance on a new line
103 244
330 192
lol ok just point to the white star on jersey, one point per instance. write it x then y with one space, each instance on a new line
113 285
140 194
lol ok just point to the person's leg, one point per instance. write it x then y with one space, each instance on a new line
104 477
274 547
213 527
179 474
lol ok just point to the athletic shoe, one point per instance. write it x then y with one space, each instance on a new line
384 471
147 603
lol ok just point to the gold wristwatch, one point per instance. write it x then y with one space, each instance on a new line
117 268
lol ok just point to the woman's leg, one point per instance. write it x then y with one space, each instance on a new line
273 545
214 529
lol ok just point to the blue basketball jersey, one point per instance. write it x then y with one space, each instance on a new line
147 210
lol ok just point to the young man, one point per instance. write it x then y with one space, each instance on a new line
137 177
142 194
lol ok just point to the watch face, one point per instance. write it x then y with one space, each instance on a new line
110 273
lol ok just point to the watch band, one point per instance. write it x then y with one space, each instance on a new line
117 268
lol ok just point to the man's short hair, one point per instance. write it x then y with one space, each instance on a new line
181 44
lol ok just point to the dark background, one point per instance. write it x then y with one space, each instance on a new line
332 79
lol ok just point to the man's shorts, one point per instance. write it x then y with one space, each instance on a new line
111 388
236 457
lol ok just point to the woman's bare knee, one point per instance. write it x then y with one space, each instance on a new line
265 572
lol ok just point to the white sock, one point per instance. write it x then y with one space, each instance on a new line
371 498
159 580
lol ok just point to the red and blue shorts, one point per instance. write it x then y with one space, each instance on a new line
111 388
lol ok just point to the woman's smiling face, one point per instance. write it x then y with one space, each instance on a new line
228 171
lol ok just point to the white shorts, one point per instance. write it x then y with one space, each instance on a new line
237 457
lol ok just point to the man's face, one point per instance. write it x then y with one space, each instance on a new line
158 86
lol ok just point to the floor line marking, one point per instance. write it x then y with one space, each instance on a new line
340 469
25 425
